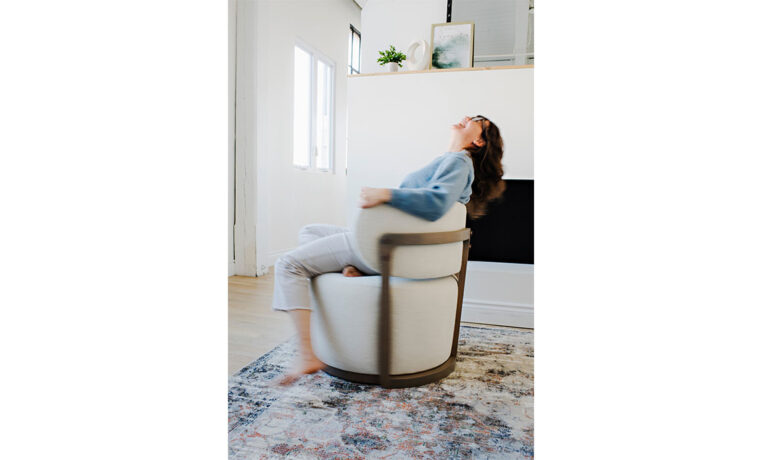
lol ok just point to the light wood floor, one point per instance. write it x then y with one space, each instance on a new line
253 327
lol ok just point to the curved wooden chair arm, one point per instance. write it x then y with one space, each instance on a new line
387 243
410 239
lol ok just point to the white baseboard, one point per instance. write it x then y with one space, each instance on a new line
499 293
244 269
256 270
498 313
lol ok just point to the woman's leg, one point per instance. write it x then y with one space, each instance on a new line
351 271
291 293
294 269
307 363
313 232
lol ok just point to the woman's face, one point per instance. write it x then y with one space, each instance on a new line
469 131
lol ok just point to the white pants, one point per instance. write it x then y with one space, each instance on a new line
322 249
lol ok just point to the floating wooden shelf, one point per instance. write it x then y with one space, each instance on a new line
464 69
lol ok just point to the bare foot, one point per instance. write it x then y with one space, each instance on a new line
303 366
351 271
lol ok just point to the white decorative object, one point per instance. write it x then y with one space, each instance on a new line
391 66
415 62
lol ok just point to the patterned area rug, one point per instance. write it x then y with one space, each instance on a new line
484 409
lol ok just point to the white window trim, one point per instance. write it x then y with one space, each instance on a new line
315 55
352 31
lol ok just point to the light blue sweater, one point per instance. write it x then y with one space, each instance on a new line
431 191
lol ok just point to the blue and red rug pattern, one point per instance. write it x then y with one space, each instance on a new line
484 409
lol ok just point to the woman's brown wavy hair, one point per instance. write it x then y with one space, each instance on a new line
488 182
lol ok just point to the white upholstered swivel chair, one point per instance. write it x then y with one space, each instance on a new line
399 328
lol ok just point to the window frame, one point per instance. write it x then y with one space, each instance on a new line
352 32
316 55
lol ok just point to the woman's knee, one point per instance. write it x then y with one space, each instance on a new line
307 234
288 266
307 229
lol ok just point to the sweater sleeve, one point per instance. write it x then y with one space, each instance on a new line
435 199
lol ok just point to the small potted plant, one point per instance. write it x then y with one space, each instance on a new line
391 59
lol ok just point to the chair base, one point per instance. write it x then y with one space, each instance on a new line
397 381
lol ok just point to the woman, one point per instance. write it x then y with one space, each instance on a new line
470 172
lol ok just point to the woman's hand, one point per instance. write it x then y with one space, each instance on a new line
370 196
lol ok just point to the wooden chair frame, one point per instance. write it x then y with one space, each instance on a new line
387 243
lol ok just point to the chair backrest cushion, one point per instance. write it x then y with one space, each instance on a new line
419 262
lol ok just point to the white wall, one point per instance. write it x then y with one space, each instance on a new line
231 128
401 122
398 23
288 198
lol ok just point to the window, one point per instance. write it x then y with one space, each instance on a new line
313 109
503 29
354 50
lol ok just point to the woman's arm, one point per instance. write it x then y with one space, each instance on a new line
430 202
370 196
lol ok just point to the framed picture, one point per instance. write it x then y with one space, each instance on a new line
452 45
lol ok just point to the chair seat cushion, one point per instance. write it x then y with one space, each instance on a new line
346 314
